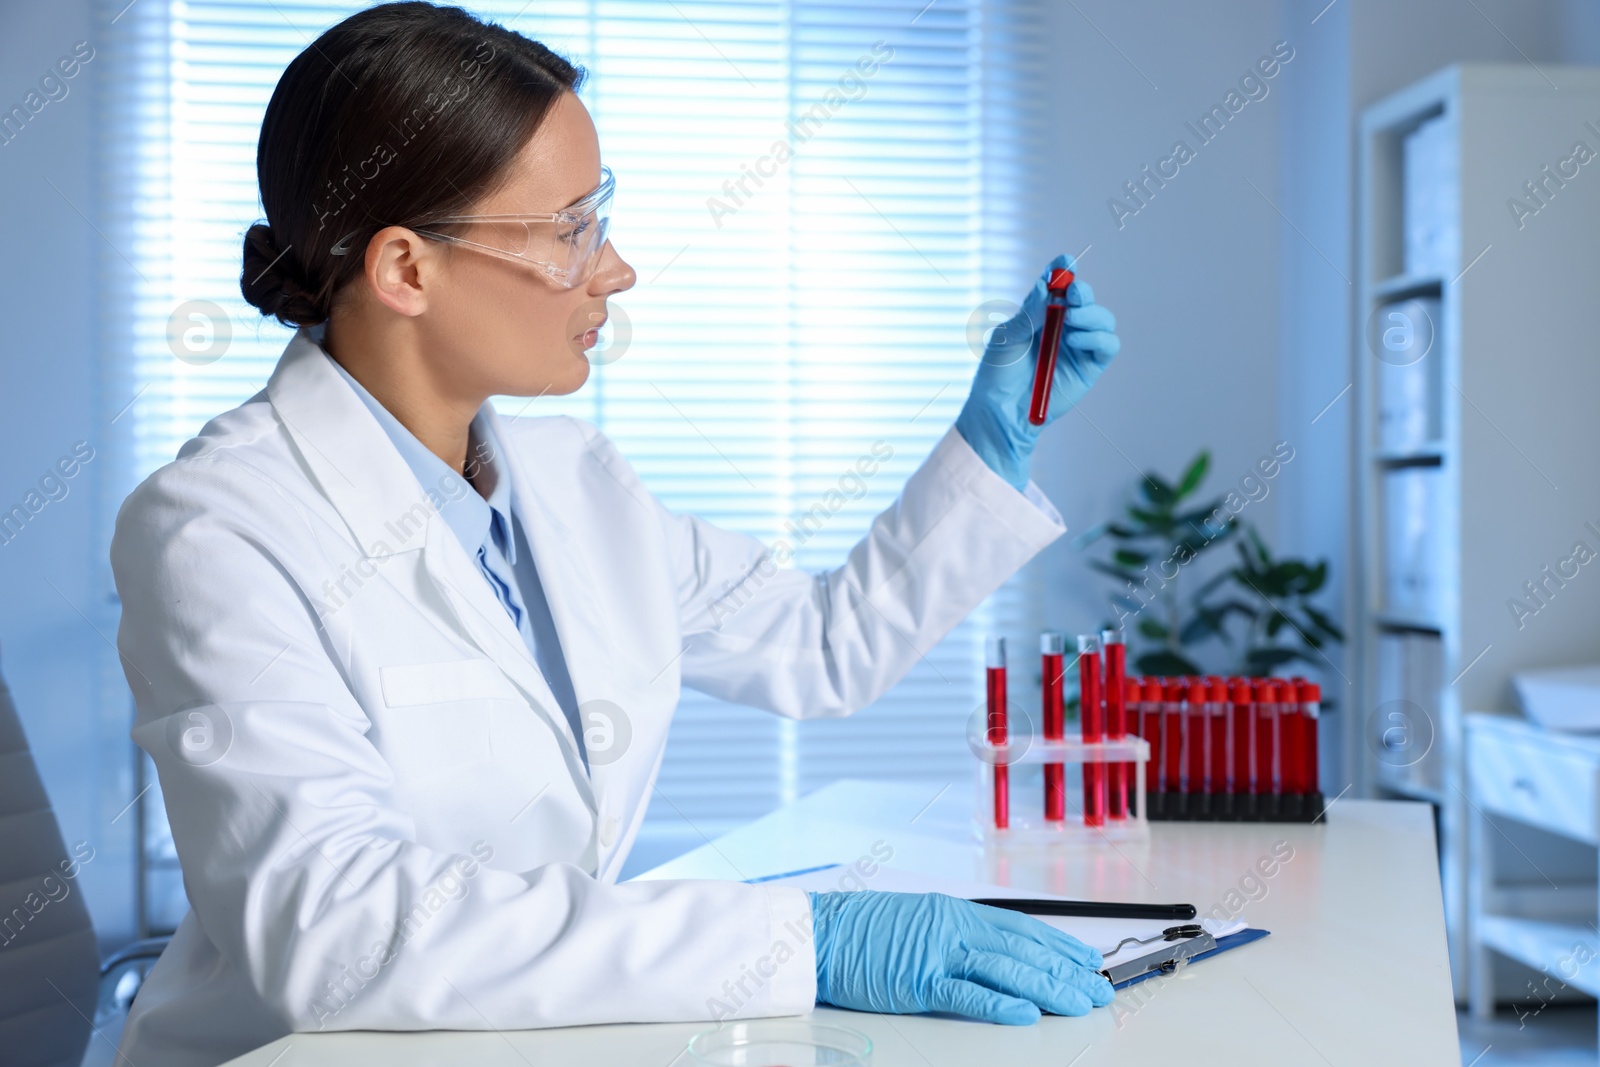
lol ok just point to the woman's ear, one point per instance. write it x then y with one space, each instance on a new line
400 268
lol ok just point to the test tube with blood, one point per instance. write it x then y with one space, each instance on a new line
1216 736
1051 648
995 673
1240 735
1269 747
1119 775
1147 693
1291 735
1310 695
1172 733
1195 734
1044 370
1133 702
1260 738
1091 715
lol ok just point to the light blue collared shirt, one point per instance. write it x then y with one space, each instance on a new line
491 534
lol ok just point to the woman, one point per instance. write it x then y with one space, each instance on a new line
368 621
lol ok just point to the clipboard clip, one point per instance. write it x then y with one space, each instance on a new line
1164 960
1171 933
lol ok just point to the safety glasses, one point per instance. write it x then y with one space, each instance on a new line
564 245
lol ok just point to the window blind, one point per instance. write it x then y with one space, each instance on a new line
798 307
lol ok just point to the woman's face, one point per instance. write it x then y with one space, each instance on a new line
498 326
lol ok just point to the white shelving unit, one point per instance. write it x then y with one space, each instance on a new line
1512 464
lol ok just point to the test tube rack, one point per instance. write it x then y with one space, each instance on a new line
1026 759
1230 749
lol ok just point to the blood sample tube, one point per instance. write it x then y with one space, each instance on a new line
1051 646
1044 371
1291 734
1311 709
1092 717
1216 736
1119 776
1269 738
1261 727
1172 733
1240 735
995 677
1195 722
1133 705
1150 729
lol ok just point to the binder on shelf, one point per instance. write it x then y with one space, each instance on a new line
1409 401
1431 199
1412 562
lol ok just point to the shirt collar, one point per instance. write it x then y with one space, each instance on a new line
474 520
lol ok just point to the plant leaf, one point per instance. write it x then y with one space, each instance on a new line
1195 474
1114 571
1157 490
1262 661
1167 662
1153 629
1323 623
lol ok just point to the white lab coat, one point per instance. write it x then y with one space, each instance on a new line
380 810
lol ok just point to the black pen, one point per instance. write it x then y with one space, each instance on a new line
1090 909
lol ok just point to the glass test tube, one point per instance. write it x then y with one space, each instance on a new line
1119 776
1291 733
1216 736
1051 648
1133 704
995 679
1260 739
1091 715
1239 735
1149 701
1172 733
1194 736
1311 707
1269 745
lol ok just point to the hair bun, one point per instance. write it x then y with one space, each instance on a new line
271 281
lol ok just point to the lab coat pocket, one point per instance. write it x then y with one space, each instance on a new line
439 717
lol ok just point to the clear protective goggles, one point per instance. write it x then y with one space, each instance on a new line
564 245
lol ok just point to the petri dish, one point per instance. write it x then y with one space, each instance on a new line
780 1043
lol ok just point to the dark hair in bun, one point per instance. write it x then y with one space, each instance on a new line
401 113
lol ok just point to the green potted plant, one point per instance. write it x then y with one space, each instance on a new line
1255 616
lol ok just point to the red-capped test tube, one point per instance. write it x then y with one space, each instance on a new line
1133 705
1149 700
1172 733
1269 746
1195 721
1151 730
1119 776
995 677
1051 648
1291 736
1310 695
1240 735
1216 735
1092 717
1055 319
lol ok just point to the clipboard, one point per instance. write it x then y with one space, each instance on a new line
1170 957
1145 962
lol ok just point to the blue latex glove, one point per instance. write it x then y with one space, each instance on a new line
915 952
994 420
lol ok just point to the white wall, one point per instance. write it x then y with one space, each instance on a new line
56 624
1192 277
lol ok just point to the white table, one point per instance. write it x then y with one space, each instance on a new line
1355 971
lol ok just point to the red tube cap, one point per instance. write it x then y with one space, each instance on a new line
1060 278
